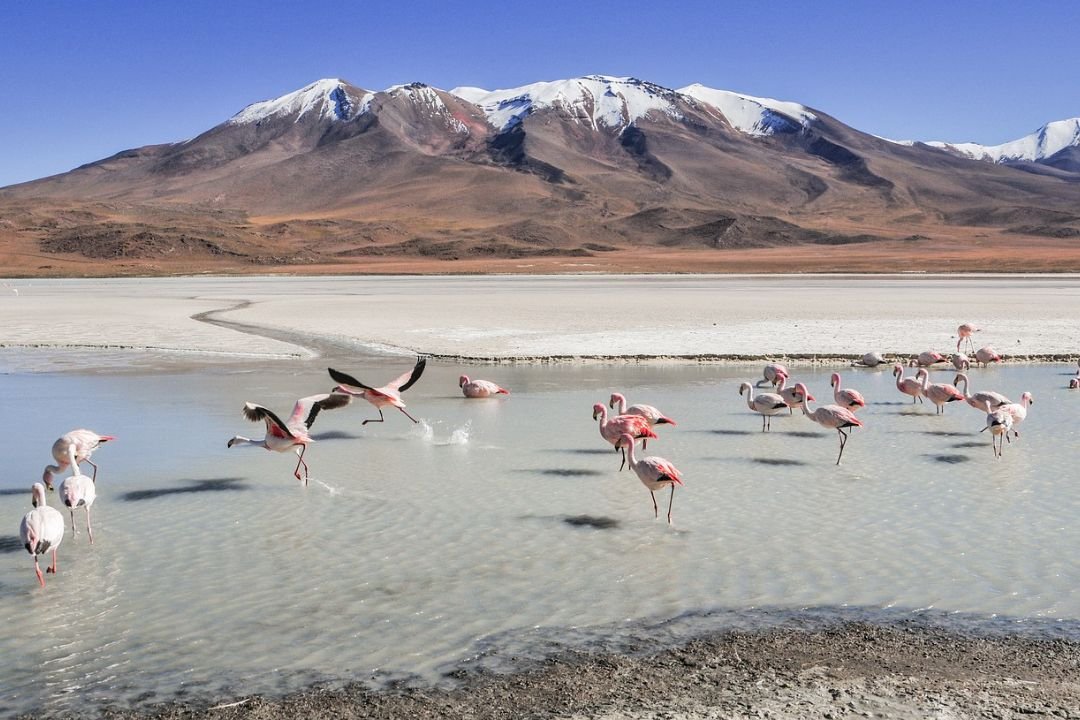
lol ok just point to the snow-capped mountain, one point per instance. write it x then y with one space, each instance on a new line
1040 145
753 115
328 99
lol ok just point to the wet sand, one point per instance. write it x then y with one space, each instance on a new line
849 670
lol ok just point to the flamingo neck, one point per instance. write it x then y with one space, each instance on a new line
631 458
620 405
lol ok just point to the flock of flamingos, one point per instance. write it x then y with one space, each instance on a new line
43 528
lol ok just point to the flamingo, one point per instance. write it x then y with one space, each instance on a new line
768 404
1019 411
650 413
654 473
71 449
479 388
845 397
388 394
282 436
964 332
41 530
960 361
939 393
870 359
926 359
978 400
832 417
1074 383
999 422
76 491
986 355
907 385
611 430
772 372
791 396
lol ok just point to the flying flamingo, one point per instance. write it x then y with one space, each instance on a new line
999 422
832 417
76 491
772 372
926 359
282 436
654 473
479 388
41 530
768 404
964 332
960 361
907 385
845 397
791 396
71 449
612 429
1019 411
650 413
387 395
986 355
939 393
978 400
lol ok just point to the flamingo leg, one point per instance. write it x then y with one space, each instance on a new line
655 509
89 530
644 443
381 419
843 442
623 463
74 529
93 465
299 462
52 568
408 415
37 571
671 502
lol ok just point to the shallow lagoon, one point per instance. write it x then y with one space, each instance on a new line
498 526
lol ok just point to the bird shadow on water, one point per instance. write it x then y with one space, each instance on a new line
193 486
949 459
561 472
778 461
587 451
800 433
725 432
336 435
597 522
11 544
945 433
969 444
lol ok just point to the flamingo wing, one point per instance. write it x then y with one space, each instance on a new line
344 379
274 425
407 380
667 471
307 409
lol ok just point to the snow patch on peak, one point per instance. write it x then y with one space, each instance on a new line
753 115
595 100
1048 140
428 99
330 98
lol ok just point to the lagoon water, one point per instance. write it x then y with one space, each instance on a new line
497 527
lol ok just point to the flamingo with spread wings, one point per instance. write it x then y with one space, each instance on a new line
389 395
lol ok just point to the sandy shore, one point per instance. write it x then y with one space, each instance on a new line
529 317
851 670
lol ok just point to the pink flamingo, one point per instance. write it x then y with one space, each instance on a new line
768 404
986 355
479 388
961 362
612 429
282 436
1019 411
41 530
870 359
71 449
1074 383
907 385
654 473
999 422
387 395
832 417
939 393
845 397
76 491
978 400
964 332
650 413
926 359
772 372
791 396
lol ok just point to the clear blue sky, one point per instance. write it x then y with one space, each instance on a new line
81 80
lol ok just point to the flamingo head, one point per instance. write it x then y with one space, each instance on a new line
1027 399
801 391
105 438
897 369
625 440
37 495
834 381
462 380
745 387
598 411
922 373
615 399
